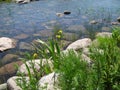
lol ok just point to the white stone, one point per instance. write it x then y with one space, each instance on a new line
59 14
82 43
93 22
36 62
7 43
12 85
86 58
49 81
3 86
22 1
104 34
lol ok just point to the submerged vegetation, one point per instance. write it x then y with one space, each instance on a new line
74 72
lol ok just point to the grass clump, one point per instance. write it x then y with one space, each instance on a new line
74 72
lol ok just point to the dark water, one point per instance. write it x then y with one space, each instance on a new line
31 18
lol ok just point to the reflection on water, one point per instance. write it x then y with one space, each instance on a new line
34 20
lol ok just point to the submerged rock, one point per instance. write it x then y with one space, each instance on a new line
104 34
21 36
115 23
9 58
93 22
7 43
25 46
59 14
106 29
9 68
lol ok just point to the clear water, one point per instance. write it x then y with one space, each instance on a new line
16 19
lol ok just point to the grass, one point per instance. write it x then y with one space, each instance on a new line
75 73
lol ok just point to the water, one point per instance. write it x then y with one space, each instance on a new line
32 18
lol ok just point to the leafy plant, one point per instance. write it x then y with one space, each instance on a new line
106 64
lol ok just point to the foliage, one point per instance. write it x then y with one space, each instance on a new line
116 35
73 72
106 64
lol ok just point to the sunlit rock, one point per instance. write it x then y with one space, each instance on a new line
22 1
7 43
3 86
49 82
36 62
93 22
59 14
104 34
12 82
81 43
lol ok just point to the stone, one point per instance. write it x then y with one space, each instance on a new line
86 58
115 23
12 85
9 58
118 19
93 22
25 46
22 1
49 81
106 29
3 86
21 36
43 34
104 34
77 28
9 68
7 43
86 51
70 36
79 44
66 12
37 63
59 14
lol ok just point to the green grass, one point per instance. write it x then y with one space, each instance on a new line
76 74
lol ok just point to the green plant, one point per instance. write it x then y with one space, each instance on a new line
106 64
116 35
73 72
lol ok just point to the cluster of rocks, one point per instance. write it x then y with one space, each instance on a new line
112 23
81 44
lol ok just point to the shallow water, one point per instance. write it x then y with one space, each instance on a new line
32 18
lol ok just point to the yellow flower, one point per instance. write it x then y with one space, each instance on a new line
35 55
58 36
60 32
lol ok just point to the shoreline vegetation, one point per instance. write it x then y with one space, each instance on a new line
67 69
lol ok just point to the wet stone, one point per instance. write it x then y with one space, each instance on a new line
21 36
9 58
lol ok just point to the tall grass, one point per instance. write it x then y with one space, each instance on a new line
76 74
